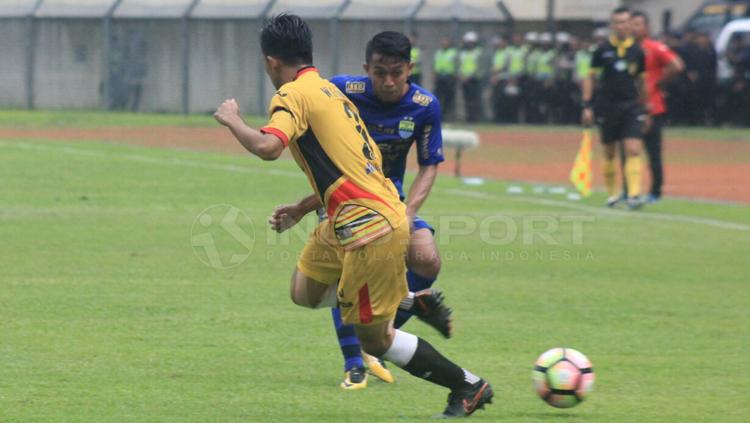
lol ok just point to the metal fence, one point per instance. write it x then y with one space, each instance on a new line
187 55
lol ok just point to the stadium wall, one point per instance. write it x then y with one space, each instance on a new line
72 59
69 65
13 63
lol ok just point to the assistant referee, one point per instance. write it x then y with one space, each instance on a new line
617 67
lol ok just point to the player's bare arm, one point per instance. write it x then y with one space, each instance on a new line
265 146
288 215
675 67
420 189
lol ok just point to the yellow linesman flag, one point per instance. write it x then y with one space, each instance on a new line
582 174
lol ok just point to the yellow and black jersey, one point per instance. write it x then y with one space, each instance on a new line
621 64
330 143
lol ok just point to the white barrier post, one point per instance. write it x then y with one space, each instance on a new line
461 140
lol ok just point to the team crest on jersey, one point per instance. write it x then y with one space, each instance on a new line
406 128
354 87
633 68
421 99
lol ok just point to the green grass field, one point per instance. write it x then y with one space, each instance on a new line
110 312
100 119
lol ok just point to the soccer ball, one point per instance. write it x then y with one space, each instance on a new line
563 377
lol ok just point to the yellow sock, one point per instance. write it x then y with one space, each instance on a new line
633 175
610 177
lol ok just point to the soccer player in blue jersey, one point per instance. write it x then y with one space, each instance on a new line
398 114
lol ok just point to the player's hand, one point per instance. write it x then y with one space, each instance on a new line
284 217
587 117
228 112
647 122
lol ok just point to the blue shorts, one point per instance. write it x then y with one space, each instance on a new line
418 223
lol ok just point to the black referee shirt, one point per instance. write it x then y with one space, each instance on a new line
620 65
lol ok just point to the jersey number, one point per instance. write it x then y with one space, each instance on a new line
366 148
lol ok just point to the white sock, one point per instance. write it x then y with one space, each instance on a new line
329 298
402 349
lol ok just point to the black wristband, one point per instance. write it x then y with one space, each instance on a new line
588 104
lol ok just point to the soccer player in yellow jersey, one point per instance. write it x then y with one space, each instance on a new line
355 257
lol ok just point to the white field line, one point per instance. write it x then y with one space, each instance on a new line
463 193
151 160
602 211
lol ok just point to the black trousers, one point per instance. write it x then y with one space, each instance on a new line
499 102
445 91
472 100
653 142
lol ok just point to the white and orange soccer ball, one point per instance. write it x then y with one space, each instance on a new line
563 377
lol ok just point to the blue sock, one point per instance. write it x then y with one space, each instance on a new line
416 283
348 342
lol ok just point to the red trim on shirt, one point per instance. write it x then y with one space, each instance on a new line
305 70
365 308
279 134
349 191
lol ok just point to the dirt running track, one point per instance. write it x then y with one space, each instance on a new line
718 170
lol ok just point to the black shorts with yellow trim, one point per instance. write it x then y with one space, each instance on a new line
620 120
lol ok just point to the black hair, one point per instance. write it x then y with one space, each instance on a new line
621 9
389 44
288 38
640 14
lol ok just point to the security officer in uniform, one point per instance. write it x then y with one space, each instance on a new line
469 71
620 105
416 59
529 83
564 110
499 78
514 85
544 76
444 65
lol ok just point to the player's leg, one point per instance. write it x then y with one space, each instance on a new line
357 363
318 270
355 376
632 134
422 258
423 265
372 284
311 293
633 171
609 148
314 285
418 357
653 142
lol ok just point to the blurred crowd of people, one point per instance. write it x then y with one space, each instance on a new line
536 78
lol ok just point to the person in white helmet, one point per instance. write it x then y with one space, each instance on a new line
469 74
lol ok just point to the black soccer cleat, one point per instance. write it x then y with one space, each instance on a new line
429 308
465 402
